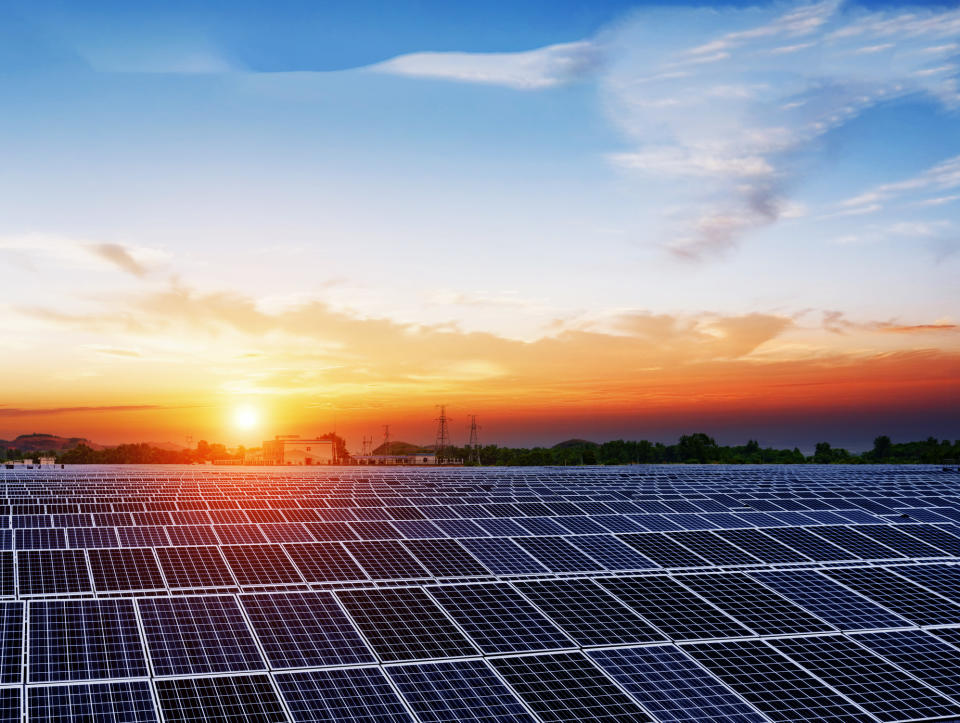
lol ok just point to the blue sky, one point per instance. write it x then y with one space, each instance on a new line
517 169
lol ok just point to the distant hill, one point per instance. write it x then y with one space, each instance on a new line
402 448
567 444
45 442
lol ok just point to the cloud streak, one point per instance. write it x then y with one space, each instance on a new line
726 107
538 69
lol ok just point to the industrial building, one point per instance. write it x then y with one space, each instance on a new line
293 449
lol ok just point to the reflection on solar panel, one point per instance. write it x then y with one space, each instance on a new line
829 600
499 619
84 640
869 681
198 635
920 654
673 687
567 687
405 624
456 691
588 613
388 594
303 630
754 605
344 694
674 609
778 687
234 699
120 702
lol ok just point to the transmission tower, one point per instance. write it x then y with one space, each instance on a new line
443 434
474 444
386 439
367 445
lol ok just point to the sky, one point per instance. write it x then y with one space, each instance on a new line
571 219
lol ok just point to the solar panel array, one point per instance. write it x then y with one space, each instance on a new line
534 594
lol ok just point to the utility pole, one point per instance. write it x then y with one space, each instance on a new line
474 444
443 434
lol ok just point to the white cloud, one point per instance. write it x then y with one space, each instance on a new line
725 108
530 70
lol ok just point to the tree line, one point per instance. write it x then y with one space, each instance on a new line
696 448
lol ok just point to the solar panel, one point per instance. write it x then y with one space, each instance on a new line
260 565
203 634
185 567
557 554
498 619
404 624
456 691
588 613
672 686
228 699
567 687
116 702
674 609
664 551
125 569
228 593
898 594
386 560
83 640
829 600
52 572
756 606
11 643
446 558
775 685
303 630
872 683
324 562
920 654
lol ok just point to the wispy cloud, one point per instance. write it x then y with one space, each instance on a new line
529 70
120 256
725 107
81 253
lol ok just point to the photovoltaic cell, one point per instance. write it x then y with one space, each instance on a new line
864 547
303 630
404 624
446 558
11 642
204 634
556 554
898 594
386 560
942 579
712 548
502 556
567 687
672 686
762 546
359 695
664 551
324 562
457 691
612 553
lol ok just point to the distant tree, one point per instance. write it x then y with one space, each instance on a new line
882 447
697 447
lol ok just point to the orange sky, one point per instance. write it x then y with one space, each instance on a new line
162 365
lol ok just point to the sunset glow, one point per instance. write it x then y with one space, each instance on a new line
618 221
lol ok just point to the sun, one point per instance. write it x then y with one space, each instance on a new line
245 417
